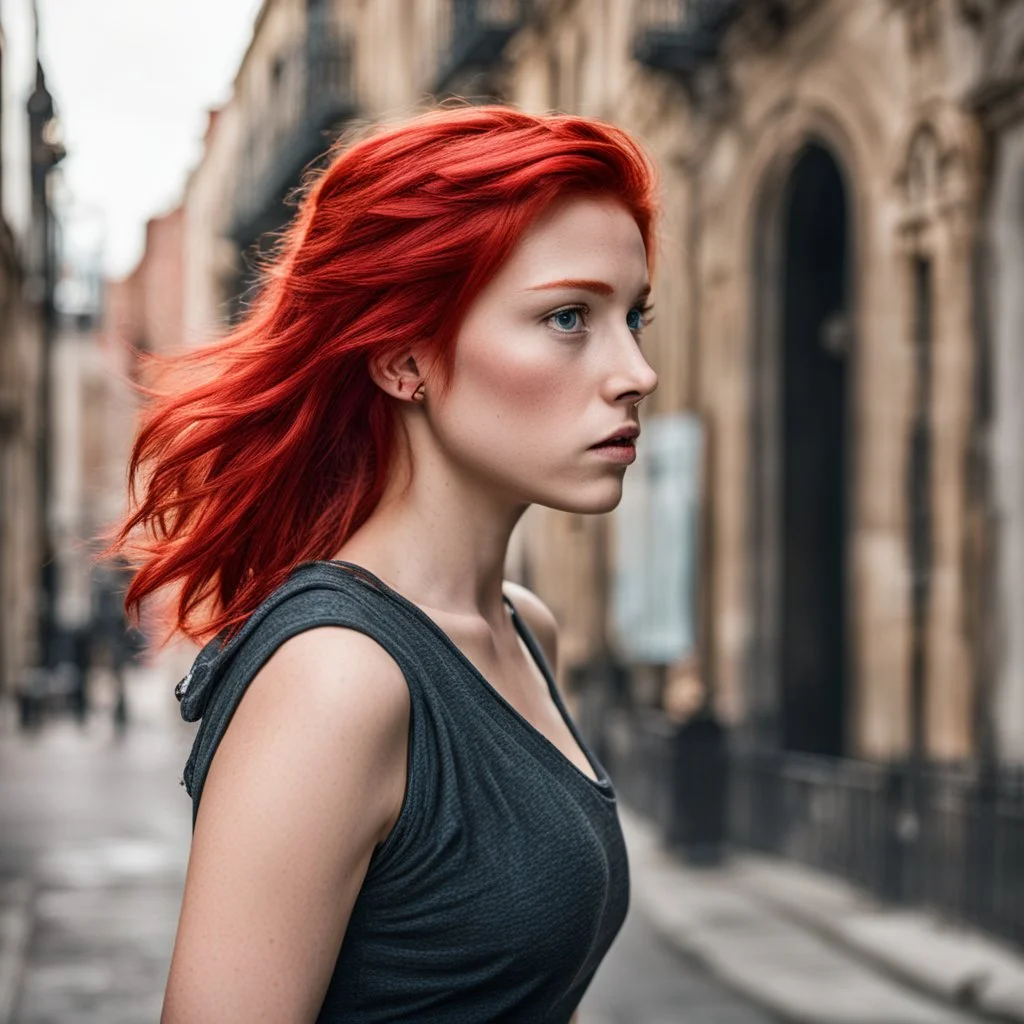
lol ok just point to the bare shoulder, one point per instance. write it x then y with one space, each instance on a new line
326 695
308 778
538 617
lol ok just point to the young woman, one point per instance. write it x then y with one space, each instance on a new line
399 820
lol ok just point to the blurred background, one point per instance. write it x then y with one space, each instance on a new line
797 645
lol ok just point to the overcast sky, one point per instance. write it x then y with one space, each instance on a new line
132 80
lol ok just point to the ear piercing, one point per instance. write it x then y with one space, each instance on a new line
419 394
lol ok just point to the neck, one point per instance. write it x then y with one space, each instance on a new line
439 536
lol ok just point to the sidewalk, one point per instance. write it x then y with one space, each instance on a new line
95 838
814 950
96 833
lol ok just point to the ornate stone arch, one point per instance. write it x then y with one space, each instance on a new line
780 136
847 136
842 105
937 182
938 167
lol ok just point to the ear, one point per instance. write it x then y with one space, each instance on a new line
397 375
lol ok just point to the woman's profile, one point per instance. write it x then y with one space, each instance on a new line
398 818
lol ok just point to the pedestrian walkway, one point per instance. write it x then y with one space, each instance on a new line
815 951
93 847
94 839
642 980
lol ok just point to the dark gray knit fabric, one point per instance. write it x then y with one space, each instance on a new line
504 880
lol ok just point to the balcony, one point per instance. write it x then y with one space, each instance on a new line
312 95
473 38
679 35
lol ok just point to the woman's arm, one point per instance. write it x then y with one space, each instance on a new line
308 778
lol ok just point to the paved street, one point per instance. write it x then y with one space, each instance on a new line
93 844
94 834
643 982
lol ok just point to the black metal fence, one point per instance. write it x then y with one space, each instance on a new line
946 837
310 95
838 815
472 34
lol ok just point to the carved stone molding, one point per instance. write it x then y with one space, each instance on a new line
938 174
999 96
762 25
711 93
923 22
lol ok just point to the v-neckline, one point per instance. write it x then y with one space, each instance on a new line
601 782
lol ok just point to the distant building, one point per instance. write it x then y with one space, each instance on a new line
29 149
211 261
93 422
143 314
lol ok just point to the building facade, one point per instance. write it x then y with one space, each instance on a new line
212 268
823 174
29 149
997 98
837 322
93 417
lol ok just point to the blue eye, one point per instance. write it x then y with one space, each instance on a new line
567 320
638 318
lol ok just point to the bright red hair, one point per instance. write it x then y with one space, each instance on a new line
281 448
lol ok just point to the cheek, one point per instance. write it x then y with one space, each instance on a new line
522 382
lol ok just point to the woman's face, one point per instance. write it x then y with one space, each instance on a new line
548 362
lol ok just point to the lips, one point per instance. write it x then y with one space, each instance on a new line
622 437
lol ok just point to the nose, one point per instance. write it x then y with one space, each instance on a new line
634 378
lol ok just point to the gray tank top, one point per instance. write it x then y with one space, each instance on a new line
504 880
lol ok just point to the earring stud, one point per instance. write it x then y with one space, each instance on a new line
419 394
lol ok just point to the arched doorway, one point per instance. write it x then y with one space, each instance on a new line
803 464
814 360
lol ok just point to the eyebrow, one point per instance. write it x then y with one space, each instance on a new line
598 287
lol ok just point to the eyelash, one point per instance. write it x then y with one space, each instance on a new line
645 311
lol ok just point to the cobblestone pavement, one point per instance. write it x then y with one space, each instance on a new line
94 836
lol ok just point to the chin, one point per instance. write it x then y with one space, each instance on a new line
592 500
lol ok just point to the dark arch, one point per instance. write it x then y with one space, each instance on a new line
814 359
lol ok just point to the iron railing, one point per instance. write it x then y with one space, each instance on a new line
946 837
835 814
473 35
680 35
312 94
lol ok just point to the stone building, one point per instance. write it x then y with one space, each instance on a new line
823 172
838 268
29 149
93 413
211 270
143 314
837 318
825 175
998 98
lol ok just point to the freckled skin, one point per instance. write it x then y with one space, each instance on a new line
528 397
